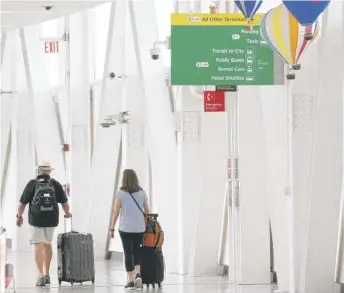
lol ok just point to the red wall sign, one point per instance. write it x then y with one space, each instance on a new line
51 47
214 101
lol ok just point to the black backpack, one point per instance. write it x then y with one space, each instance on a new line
44 199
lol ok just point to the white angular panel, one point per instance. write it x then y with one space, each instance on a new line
209 204
47 136
79 169
135 134
25 172
274 121
16 139
160 121
7 99
107 140
189 162
45 131
253 206
303 93
135 149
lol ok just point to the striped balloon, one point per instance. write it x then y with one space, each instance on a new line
280 29
306 11
248 7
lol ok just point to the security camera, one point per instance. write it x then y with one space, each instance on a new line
155 53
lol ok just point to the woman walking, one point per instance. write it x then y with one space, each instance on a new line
130 203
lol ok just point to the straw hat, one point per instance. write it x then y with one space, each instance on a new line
45 166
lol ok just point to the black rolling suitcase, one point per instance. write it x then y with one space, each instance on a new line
152 265
75 257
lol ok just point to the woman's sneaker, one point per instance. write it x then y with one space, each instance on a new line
47 280
130 286
138 281
40 281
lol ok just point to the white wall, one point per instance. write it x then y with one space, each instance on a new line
254 231
274 114
304 92
326 161
189 162
210 201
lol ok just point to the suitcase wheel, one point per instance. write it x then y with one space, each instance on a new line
60 281
159 285
93 281
153 285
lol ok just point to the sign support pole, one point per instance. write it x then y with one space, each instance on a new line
232 179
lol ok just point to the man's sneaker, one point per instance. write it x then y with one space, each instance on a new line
130 286
138 281
40 281
47 280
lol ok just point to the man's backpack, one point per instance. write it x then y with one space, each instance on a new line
44 199
154 235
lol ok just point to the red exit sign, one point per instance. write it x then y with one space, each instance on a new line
51 47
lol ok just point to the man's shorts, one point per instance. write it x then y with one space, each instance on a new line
41 235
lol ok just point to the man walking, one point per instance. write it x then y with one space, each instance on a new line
43 195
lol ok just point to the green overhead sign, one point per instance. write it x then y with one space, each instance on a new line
219 49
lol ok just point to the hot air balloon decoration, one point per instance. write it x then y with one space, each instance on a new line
306 11
248 8
311 31
282 32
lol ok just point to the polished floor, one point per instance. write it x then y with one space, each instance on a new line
111 279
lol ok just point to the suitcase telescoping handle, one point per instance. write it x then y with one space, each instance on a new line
71 224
